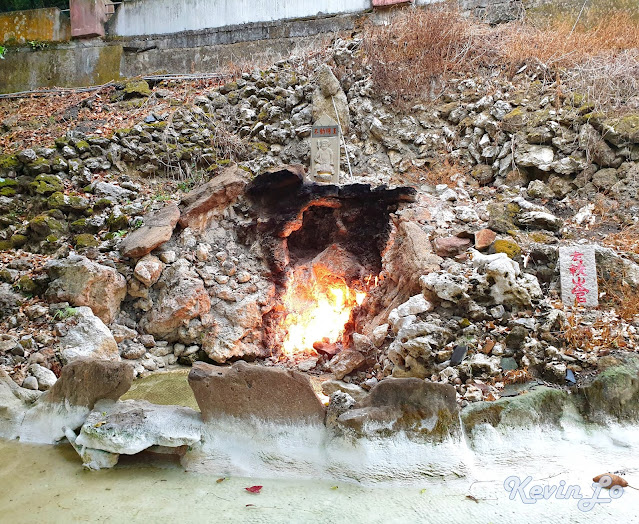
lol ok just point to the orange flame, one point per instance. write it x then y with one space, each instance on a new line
318 306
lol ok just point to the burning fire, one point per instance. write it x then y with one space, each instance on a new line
318 307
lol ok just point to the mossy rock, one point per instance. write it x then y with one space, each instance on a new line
621 131
39 166
46 184
502 216
542 405
539 117
8 187
136 103
540 238
86 240
228 87
261 146
117 222
615 392
515 120
7 192
56 200
5 245
9 162
19 240
103 203
26 285
233 97
45 225
507 246
137 89
6 276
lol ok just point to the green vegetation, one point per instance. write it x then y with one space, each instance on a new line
65 313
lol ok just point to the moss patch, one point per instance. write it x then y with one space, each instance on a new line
46 184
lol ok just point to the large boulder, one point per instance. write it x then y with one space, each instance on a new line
539 405
157 229
250 391
419 407
132 426
85 381
204 202
81 282
183 297
68 403
613 393
87 337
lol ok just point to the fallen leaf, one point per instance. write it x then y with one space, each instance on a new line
334 487
616 480
220 480
422 491
470 497
254 489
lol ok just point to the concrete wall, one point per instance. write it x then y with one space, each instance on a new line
45 25
68 65
152 17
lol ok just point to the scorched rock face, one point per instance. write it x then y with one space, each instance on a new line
323 244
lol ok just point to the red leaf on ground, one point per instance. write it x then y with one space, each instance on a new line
254 489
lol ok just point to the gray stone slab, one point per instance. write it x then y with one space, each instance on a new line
578 273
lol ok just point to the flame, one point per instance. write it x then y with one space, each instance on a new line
318 304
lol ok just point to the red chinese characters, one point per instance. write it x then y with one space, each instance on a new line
578 272
325 131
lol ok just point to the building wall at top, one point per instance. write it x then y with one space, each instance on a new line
153 17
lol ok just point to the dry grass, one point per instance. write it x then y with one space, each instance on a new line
626 240
562 44
419 50
446 172
590 337
619 296
409 56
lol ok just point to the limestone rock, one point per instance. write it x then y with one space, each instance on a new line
450 246
148 270
329 90
201 204
484 238
132 426
331 386
183 298
157 229
539 406
405 404
85 381
46 378
528 155
81 282
93 459
87 336
66 405
539 220
345 362
509 285
246 391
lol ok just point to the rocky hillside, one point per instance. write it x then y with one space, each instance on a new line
141 244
